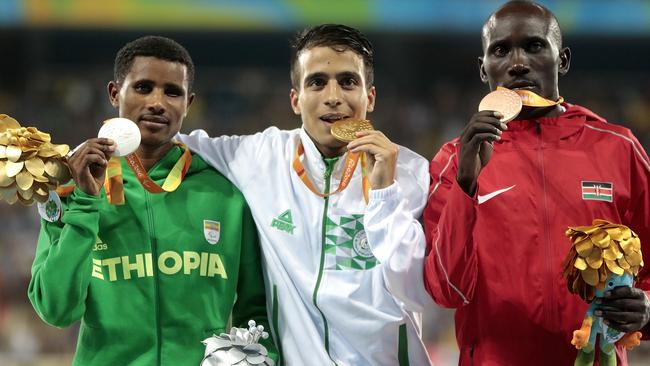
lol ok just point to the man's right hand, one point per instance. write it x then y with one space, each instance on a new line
476 147
88 164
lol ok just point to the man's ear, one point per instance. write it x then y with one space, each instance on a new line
565 61
190 99
372 95
113 90
481 71
294 95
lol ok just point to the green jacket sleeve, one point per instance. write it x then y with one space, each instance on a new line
251 296
62 265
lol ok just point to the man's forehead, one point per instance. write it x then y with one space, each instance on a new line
505 25
148 67
323 58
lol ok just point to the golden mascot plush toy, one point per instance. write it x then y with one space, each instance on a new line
602 256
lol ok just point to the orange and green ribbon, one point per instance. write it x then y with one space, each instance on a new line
114 184
350 165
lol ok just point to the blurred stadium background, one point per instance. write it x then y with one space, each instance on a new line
56 58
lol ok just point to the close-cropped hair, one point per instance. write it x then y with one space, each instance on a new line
340 38
553 25
162 48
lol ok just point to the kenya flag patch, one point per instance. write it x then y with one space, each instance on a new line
597 191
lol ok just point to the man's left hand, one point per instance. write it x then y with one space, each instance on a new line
382 157
625 309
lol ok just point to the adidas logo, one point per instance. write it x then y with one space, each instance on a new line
284 222
100 245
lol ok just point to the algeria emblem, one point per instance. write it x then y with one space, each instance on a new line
211 231
360 245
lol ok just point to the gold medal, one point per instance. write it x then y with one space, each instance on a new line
345 129
504 101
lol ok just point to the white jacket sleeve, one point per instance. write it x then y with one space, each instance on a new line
396 236
233 156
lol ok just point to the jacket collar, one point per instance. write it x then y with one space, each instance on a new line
568 123
314 162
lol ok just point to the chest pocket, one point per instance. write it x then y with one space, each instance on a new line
346 244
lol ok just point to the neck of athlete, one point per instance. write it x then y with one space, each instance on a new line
149 155
537 112
329 151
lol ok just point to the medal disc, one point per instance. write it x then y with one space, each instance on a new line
504 101
124 132
345 129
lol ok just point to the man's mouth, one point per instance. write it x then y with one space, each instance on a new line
521 84
332 117
155 119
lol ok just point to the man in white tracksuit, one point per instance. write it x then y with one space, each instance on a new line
343 277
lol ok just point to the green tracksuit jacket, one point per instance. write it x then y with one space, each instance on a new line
152 278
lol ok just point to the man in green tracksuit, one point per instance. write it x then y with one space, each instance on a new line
155 271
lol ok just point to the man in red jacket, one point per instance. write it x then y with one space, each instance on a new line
502 196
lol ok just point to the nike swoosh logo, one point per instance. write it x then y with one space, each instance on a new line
489 196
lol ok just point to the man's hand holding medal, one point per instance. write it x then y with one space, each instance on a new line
381 152
89 161
31 166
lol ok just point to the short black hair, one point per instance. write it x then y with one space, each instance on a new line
162 48
340 38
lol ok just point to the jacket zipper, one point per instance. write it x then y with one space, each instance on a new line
156 289
276 324
549 262
329 165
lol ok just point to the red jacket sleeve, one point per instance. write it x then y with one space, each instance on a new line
450 268
638 214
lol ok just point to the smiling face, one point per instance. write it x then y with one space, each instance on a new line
522 51
154 95
331 86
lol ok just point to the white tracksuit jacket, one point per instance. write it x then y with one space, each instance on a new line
334 268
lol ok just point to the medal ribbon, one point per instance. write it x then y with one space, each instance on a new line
350 165
114 184
530 99
365 183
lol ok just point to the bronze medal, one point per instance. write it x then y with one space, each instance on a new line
504 101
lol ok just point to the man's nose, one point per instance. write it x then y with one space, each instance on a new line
333 95
518 63
156 102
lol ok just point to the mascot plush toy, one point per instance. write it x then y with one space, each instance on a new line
30 165
602 256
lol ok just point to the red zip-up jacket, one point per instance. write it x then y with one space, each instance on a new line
497 257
